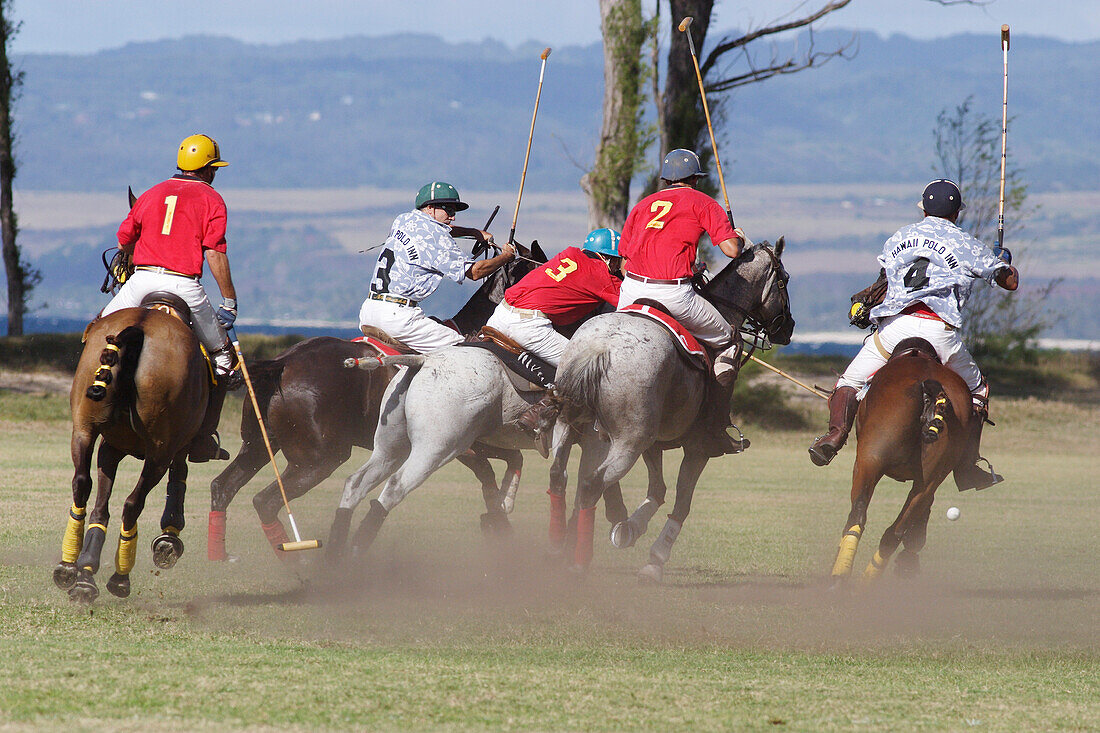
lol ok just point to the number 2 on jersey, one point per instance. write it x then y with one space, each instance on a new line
169 213
567 266
661 208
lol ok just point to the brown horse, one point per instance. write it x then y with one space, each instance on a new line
316 411
911 426
142 384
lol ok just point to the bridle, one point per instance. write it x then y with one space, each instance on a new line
754 332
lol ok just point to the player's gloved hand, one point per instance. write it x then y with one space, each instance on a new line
1003 254
745 241
227 312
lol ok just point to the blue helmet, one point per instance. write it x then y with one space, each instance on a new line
604 241
681 164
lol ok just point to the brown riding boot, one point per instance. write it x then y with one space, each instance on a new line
206 445
713 439
538 422
968 475
842 413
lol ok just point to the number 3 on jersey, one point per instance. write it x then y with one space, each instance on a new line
381 281
661 208
567 266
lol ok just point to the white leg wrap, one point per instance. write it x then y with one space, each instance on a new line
662 546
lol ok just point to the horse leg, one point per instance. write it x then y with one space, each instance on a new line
891 538
171 521
912 529
559 478
865 476
84 590
167 546
618 461
691 467
494 520
298 479
83 443
625 534
251 458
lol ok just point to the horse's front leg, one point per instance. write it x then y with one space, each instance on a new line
559 478
690 469
865 476
83 443
618 457
625 534
84 589
494 520
251 458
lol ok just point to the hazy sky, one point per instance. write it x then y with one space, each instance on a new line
79 26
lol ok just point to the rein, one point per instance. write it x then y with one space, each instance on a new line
752 330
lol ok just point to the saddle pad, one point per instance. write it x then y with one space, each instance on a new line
688 345
535 373
383 349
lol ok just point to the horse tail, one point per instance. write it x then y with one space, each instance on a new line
370 363
936 406
117 361
579 385
266 377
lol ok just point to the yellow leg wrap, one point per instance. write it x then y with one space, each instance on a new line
74 535
127 551
846 555
172 531
874 569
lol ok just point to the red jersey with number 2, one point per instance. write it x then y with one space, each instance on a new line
173 222
661 234
567 288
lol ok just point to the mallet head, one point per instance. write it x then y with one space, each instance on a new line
686 23
1004 36
546 52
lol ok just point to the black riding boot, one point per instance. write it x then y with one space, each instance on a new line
538 421
969 475
714 440
842 414
206 445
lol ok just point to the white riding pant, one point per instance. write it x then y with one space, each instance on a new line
944 339
205 324
530 329
409 325
694 313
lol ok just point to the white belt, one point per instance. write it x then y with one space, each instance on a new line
523 313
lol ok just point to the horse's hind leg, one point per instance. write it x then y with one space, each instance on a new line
84 590
171 523
625 534
559 479
494 520
83 443
298 479
251 458
387 456
690 469
593 480
891 538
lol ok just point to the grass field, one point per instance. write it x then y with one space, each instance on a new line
446 630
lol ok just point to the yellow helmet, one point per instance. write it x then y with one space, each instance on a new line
199 151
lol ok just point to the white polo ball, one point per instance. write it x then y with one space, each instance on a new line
953 513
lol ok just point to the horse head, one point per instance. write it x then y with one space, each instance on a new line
482 303
753 288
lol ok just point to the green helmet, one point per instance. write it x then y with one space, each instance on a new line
438 192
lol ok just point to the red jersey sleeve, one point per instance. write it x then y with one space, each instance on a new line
714 220
214 231
130 229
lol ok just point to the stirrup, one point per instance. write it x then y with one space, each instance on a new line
989 477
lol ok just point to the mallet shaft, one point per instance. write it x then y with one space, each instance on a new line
783 374
527 155
1004 139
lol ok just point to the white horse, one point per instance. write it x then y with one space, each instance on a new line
623 374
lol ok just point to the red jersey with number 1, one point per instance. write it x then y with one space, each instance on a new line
567 288
173 222
661 234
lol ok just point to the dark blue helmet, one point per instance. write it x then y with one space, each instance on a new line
942 198
681 164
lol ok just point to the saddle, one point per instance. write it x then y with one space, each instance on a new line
382 342
527 372
170 303
695 353
915 346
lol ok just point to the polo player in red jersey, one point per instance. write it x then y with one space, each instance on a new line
559 293
659 245
171 229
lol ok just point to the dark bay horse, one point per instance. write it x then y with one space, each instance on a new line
141 384
624 374
316 411
910 426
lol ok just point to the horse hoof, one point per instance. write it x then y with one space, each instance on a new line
623 535
167 549
119 585
84 590
495 524
907 565
651 574
64 575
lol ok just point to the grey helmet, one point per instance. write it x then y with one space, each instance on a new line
681 164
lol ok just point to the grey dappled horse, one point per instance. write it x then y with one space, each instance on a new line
434 410
623 373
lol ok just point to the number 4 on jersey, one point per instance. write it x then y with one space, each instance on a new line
917 276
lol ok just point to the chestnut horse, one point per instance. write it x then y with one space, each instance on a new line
910 426
316 411
142 385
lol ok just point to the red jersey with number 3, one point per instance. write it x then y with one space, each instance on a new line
173 222
567 288
661 234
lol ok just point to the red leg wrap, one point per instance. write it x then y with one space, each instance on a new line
557 519
586 524
215 538
276 534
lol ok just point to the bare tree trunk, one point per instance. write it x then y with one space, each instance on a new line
20 278
622 138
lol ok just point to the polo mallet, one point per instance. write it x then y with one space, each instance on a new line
783 374
685 24
1004 140
298 543
483 247
527 155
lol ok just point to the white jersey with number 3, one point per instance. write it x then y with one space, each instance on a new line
418 254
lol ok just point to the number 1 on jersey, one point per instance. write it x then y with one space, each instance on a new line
170 211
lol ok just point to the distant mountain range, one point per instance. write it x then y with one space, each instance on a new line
397 111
